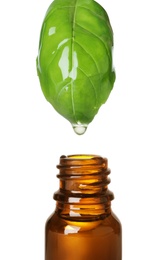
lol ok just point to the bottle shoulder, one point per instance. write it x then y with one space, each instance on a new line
109 224
113 222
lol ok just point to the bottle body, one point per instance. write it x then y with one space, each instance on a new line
83 226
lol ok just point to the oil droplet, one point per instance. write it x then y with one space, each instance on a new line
79 129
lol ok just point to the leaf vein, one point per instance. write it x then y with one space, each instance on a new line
72 51
90 82
94 13
61 90
56 52
89 56
93 35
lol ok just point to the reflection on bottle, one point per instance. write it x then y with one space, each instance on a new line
69 229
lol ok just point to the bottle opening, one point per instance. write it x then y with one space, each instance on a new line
82 156
83 160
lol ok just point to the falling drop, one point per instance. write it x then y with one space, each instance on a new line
79 129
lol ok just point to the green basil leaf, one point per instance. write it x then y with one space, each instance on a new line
74 61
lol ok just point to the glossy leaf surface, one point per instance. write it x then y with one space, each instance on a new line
74 62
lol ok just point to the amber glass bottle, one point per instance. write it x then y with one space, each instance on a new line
83 226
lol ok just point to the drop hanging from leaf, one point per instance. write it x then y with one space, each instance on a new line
74 62
79 129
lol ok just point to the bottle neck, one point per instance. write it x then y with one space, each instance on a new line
83 193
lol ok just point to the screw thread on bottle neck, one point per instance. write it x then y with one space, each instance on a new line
83 186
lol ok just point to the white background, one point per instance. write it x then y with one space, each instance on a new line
128 130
